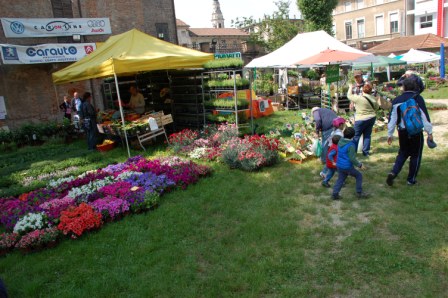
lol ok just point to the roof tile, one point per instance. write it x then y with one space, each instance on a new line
405 43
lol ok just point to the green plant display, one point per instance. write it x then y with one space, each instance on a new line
224 63
227 103
228 83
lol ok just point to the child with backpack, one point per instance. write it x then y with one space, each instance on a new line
346 164
410 116
332 156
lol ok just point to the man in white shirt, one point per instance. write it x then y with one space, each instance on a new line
137 102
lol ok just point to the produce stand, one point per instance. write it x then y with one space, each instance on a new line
136 127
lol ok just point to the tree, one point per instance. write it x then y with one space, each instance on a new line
318 14
274 30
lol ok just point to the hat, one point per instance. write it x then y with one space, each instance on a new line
338 121
431 144
314 109
357 73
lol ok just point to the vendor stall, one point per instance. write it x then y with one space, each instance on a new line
129 53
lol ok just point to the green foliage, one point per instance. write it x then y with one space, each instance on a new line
277 27
312 74
318 14
240 82
264 83
224 63
227 103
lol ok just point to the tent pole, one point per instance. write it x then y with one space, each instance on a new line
251 81
121 113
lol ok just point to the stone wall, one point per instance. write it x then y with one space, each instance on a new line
29 92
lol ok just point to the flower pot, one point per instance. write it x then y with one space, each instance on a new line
295 161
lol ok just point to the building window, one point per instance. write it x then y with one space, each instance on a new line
348 6
360 4
348 30
162 31
393 22
360 27
426 21
379 23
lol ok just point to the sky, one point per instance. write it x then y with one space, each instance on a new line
198 13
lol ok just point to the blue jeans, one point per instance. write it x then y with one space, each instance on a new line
325 145
330 174
364 128
343 173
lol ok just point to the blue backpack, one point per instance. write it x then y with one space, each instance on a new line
411 116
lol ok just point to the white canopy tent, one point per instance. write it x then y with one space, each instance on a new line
302 46
417 56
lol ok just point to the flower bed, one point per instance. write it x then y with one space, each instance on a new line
72 206
222 143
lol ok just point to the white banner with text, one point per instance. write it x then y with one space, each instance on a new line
19 28
45 53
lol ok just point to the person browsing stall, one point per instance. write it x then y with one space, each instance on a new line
366 107
323 119
66 108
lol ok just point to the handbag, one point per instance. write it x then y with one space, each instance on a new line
371 104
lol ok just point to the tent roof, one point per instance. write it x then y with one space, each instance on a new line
128 53
377 61
302 46
402 44
417 56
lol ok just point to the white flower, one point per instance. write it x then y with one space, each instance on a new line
89 188
56 183
30 222
126 175
198 153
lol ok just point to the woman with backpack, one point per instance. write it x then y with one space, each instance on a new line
365 117
410 116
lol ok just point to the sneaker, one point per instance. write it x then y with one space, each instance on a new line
390 179
325 184
322 175
336 197
412 183
362 195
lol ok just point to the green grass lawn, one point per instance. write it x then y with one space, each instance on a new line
440 93
270 233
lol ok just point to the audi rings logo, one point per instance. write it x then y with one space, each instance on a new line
17 27
96 23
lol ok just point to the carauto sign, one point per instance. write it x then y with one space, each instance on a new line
17 28
45 53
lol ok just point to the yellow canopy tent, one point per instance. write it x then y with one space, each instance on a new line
128 53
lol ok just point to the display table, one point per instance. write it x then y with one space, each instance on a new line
136 127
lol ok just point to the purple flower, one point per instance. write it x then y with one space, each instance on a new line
110 206
151 182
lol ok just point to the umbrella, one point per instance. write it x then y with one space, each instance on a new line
377 61
329 56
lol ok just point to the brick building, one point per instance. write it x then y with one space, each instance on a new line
28 90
